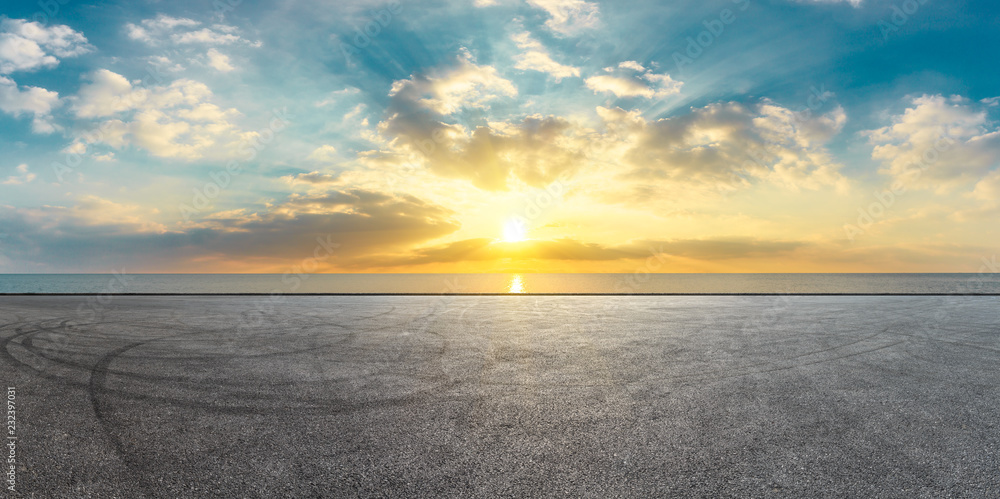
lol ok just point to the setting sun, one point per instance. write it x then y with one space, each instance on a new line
557 136
528 248
514 231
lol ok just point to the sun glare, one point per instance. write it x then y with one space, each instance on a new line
516 285
514 231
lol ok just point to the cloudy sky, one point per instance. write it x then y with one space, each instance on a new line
499 135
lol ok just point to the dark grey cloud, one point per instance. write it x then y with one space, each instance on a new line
314 178
479 250
61 239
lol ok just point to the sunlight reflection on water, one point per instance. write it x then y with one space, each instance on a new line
511 283
516 284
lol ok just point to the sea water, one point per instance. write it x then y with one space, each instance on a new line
637 283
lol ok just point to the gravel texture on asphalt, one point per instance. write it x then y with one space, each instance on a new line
191 396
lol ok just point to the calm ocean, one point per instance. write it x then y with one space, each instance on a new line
988 283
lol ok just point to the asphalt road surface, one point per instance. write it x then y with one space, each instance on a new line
504 396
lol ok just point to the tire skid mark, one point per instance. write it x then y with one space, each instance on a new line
793 366
19 321
950 342
103 413
43 352
200 384
747 369
5 351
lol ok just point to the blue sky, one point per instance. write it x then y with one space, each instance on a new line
499 135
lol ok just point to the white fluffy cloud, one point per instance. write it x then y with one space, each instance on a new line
777 124
219 61
536 58
23 176
324 154
34 100
106 94
421 127
26 46
987 193
207 36
150 29
631 79
164 64
717 148
568 17
466 84
937 143
172 121
182 31
725 146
